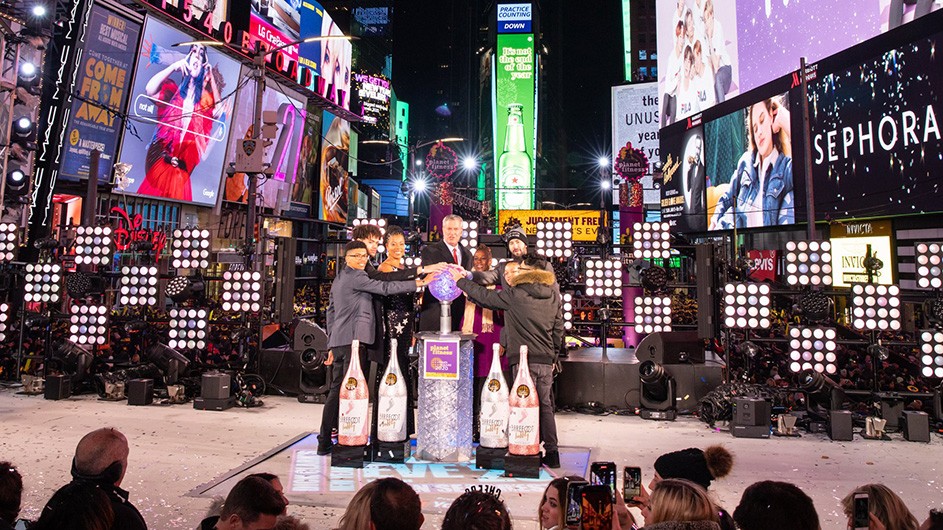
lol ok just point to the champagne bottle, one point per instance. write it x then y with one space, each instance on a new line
493 412
392 405
524 422
353 424
515 167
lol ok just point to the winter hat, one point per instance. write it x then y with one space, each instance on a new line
700 467
515 232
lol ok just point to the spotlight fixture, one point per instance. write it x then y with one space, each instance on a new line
603 277
191 249
4 317
411 261
652 314
181 288
555 239
470 235
73 359
83 285
748 349
747 305
93 245
43 282
88 324
824 393
814 306
567 311
379 223
138 285
875 307
168 360
657 395
933 309
812 348
931 352
242 291
654 279
929 265
7 242
809 263
187 329
651 240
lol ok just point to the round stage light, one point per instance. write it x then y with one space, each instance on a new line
94 245
930 342
188 329
470 235
603 277
242 291
555 239
652 314
875 307
747 305
808 263
88 324
190 248
4 320
651 240
813 348
929 261
567 311
379 223
8 244
43 282
138 285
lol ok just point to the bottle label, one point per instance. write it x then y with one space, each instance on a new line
391 420
524 431
494 385
352 424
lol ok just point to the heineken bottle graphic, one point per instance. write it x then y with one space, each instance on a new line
392 404
494 410
515 166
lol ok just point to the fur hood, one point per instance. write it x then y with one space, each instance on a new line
683 525
534 276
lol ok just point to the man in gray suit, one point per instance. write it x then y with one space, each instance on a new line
350 316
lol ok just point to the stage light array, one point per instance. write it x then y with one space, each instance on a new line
809 263
652 314
929 265
7 242
931 352
187 329
651 240
470 235
93 245
191 248
603 277
138 285
411 261
88 324
379 223
567 311
43 282
242 291
555 239
747 305
4 318
875 307
812 348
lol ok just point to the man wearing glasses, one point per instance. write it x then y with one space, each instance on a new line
350 316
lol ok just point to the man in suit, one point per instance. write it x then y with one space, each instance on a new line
695 207
449 251
350 316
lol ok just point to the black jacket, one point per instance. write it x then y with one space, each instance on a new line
431 254
375 351
532 314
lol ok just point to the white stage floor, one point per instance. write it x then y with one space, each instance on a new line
175 450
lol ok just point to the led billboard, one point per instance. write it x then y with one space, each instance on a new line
335 148
515 121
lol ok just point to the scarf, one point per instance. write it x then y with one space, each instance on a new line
468 319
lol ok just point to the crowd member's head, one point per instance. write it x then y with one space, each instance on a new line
101 456
477 510
252 504
760 129
700 467
369 235
452 229
78 505
771 505
288 522
356 255
886 505
11 493
680 500
357 514
516 241
510 270
934 521
395 242
273 479
482 259
534 261
552 510
395 506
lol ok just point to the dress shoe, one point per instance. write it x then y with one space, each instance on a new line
324 450
552 459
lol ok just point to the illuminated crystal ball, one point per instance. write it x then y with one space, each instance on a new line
443 287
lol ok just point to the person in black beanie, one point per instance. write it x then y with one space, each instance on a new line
516 240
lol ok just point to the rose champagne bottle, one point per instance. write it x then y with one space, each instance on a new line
493 412
392 405
524 422
353 424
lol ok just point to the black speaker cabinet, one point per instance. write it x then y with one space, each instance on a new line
309 335
281 370
58 386
751 418
916 426
892 408
671 347
215 385
140 391
840 426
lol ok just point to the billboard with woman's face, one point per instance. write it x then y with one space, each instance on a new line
181 105
335 146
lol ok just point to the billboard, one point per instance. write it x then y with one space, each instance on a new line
181 103
103 82
851 243
334 56
683 179
282 155
635 119
333 178
302 192
371 21
585 222
515 120
514 18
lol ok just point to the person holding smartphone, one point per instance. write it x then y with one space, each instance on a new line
552 510
885 509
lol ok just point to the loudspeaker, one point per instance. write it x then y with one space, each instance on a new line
708 323
892 408
751 412
916 426
309 335
58 386
273 337
140 391
671 347
840 426
281 370
215 385
286 248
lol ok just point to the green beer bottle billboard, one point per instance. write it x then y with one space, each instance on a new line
515 166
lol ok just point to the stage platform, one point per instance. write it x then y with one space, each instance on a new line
179 456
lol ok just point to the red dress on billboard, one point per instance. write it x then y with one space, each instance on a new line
174 152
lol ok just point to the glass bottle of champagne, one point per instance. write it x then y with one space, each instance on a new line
515 166
524 421
493 413
353 424
392 405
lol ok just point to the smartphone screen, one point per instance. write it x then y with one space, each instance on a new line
862 520
595 508
573 501
631 483
603 473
